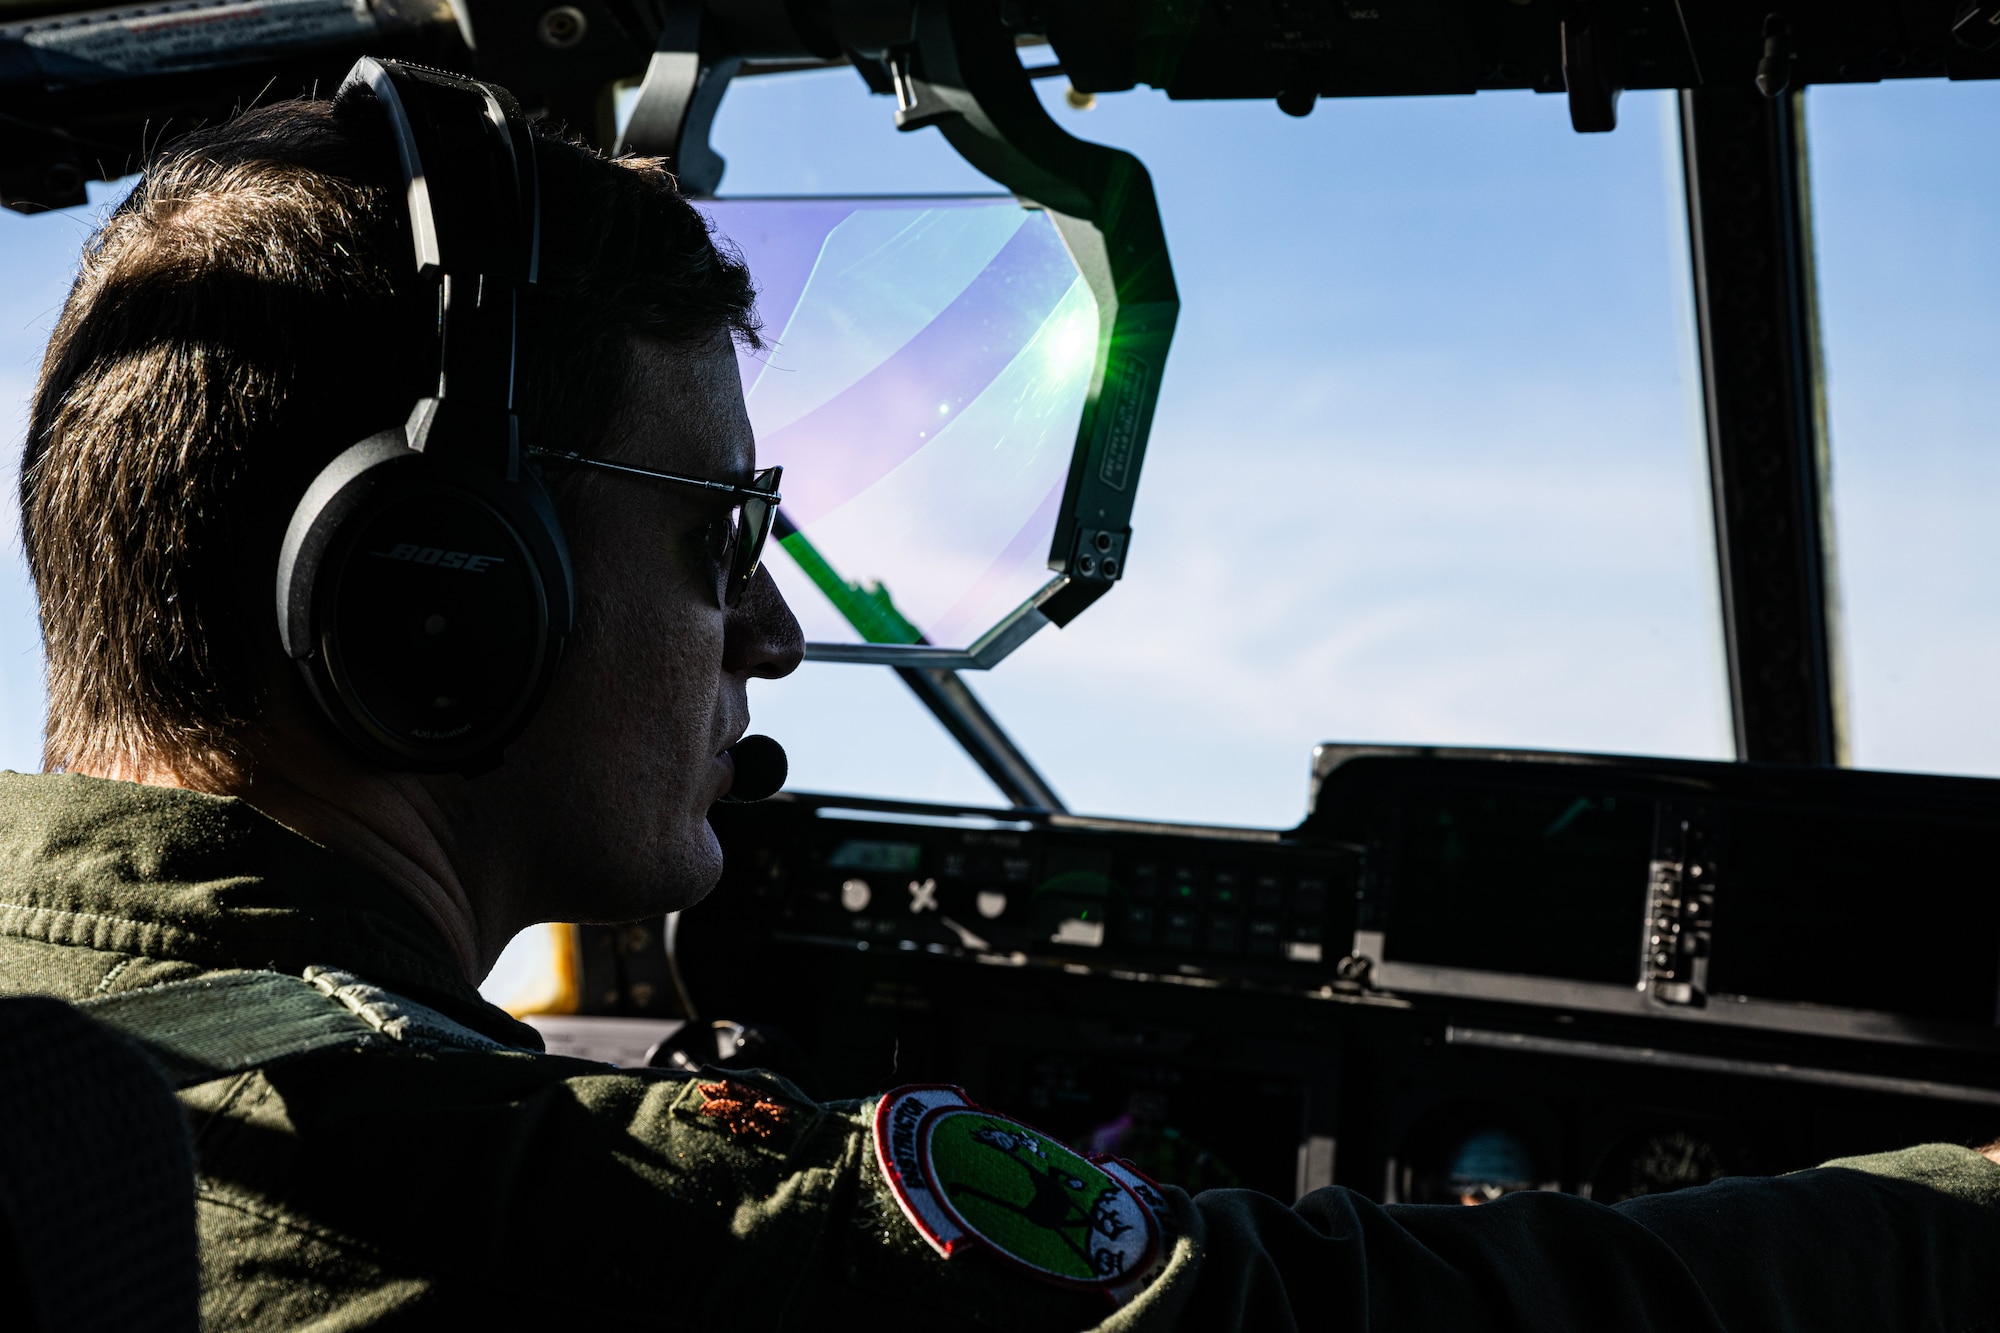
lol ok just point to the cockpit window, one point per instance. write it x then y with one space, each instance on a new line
1908 254
1427 464
38 257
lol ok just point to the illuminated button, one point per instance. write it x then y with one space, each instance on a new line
1226 889
1076 930
854 895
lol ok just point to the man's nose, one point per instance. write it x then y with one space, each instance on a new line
763 637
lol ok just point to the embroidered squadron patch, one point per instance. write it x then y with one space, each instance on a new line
967 1178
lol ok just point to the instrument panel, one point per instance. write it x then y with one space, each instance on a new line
1786 898
1465 973
1212 904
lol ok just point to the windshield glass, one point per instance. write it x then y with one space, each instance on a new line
1907 243
38 258
1427 464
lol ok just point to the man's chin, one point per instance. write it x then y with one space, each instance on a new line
693 874
675 877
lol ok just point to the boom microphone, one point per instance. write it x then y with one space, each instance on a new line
760 768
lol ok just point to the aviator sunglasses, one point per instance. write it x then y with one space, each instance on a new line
755 509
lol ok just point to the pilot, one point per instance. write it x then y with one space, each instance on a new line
206 840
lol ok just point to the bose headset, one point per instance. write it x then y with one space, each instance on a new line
424 586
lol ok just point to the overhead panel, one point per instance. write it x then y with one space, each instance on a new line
85 87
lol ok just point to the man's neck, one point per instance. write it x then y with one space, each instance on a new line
394 827
389 824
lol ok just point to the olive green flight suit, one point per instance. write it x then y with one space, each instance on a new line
441 1172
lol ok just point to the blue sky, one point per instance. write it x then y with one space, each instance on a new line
1909 289
1427 460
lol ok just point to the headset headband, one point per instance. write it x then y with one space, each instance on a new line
474 195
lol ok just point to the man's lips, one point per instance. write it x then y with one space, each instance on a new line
725 776
725 765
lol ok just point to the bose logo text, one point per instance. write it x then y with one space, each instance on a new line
431 555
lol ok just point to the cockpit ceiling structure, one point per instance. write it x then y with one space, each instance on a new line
197 58
81 84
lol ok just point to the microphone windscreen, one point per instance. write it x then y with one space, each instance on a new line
760 768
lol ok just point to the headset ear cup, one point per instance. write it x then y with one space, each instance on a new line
541 528
426 603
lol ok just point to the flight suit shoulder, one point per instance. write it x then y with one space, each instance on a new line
1948 1168
449 1179
450 1170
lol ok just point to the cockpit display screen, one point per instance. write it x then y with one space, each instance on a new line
1844 907
927 365
868 854
1548 884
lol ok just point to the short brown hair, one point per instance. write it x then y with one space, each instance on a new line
250 310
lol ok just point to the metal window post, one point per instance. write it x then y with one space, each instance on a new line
1754 309
982 737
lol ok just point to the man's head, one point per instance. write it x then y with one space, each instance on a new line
251 310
